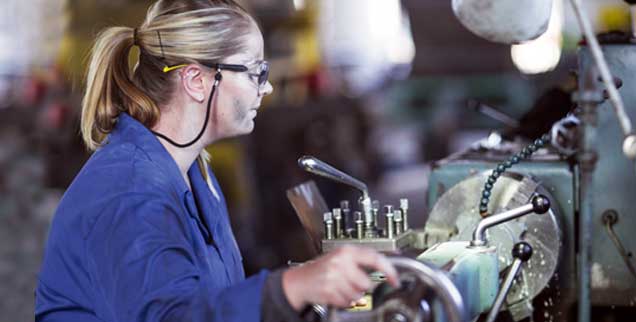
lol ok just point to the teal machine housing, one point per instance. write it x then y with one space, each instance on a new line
612 190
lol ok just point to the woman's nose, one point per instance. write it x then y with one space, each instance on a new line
267 89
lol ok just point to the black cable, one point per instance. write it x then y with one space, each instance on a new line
217 80
502 167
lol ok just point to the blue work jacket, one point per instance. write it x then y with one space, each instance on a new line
130 242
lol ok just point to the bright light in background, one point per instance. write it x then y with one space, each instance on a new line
542 54
365 42
30 34
299 4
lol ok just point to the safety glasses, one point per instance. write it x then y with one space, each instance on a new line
260 72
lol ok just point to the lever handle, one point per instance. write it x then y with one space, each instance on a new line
539 204
315 166
521 252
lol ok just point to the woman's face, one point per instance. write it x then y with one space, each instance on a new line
239 95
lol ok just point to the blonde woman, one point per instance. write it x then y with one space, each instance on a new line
142 233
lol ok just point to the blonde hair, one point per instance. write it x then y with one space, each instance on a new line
174 32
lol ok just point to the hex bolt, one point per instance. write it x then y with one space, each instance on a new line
397 218
404 206
328 220
337 216
359 224
388 213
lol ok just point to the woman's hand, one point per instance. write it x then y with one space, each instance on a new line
337 278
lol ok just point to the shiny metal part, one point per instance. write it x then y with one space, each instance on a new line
315 166
397 219
397 309
521 252
539 205
310 207
337 218
359 224
328 220
404 206
390 224
346 216
382 244
455 217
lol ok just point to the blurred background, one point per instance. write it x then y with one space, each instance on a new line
377 88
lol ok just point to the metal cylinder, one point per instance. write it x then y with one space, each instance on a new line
404 206
397 218
328 220
375 208
337 218
346 215
359 225
388 213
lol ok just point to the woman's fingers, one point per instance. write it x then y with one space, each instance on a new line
369 258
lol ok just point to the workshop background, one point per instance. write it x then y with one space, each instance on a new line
377 88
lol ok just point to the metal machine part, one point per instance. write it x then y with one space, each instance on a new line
315 166
383 244
361 228
310 207
414 306
612 185
473 270
521 252
455 217
538 205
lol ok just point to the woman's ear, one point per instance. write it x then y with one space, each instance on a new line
192 82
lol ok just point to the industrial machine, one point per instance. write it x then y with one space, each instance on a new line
539 231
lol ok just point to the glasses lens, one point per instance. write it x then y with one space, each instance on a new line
264 73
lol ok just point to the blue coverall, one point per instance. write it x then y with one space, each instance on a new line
130 242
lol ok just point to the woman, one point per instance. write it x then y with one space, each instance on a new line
142 233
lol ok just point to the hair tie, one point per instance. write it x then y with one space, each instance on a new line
135 39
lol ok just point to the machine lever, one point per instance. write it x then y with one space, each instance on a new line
521 252
539 204
315 166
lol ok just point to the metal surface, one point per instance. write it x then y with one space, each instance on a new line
539 205
588 97
503 292
395 310
394 244
310 207
602 65
315 166
613 185
473 270
455 216
479 235
521 252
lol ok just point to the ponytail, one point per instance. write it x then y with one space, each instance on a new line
110 88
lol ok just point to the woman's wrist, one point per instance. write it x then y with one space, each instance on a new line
291 283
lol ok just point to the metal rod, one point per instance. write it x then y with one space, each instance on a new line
496 114
315 166
479 235
588 100
505 288
599 59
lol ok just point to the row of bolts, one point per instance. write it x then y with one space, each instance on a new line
396 221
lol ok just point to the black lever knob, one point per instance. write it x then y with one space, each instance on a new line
540 204
522 251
